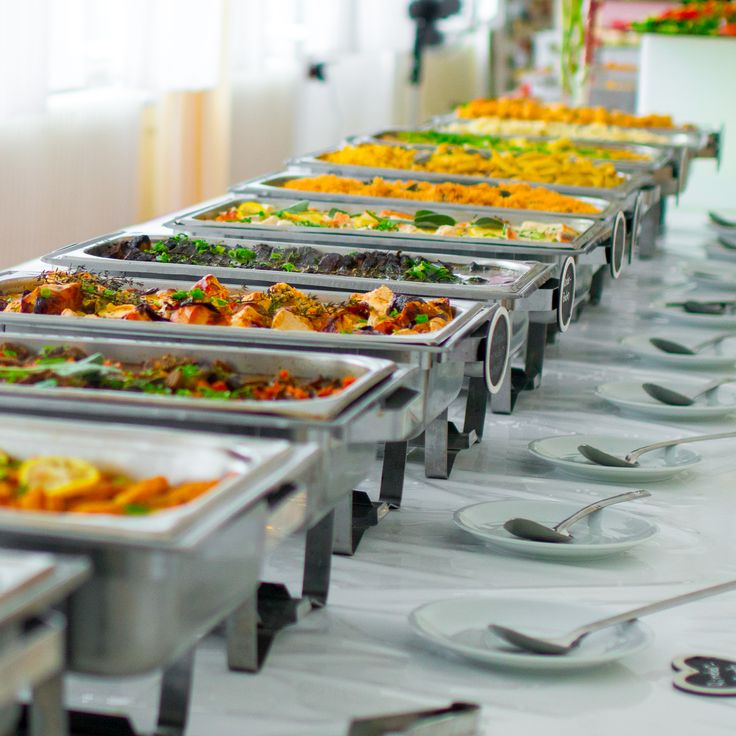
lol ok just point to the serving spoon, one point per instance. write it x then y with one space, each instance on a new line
537 532
601 457
669 346
566 643
675 398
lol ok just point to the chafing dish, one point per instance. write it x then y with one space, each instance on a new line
272 185
626 191
32 636
484 279
599 242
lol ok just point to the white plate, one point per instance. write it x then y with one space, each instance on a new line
707 273
722 356
630 396
607 532
717 251
653 466
678 314
460 626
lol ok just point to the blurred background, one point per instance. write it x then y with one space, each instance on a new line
114 112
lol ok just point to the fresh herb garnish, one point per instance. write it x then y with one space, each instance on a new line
421 319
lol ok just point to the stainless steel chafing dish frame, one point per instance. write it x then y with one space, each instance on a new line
440 364
530 275
157 581
270 185
32 642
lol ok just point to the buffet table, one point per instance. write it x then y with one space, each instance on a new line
358 656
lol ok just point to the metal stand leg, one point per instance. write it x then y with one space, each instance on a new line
597 284
318 561
47 716
475 406
393 472
534 358
253 626
503 401
436 455
176 686
650 228
354 515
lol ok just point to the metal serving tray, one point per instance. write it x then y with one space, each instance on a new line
255 361
32 636
694 138
528 275
272 185
201 221
659 156
312 161
151 597
17 281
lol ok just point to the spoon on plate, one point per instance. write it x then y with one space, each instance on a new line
566 643
533 530
669 346
675 398
601 457
721 220
715 307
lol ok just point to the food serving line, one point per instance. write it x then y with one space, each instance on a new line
404 388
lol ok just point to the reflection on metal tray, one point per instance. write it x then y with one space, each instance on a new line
201 221
16 282
272 185
149 599
312 161
484 279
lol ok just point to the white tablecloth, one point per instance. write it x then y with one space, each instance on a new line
358 656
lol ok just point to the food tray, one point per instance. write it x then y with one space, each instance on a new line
527 276
201 221
368 371
633 181
150 598
16 281
272 185
660 156
694 138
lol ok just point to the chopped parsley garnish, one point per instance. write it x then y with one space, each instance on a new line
421 319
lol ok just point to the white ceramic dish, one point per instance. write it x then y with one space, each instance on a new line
460 626
678 314
631 397
653 466
710 274
608 532
719 357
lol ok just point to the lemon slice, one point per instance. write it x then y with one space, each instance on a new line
58 475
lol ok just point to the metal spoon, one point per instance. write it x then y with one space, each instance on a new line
600 457
529 529
716 307
568 642
721 220
669 346
675 398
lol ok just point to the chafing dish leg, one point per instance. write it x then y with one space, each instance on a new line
392 473
318 560
354 515
47 714
176 686
651 225
534 358
503 401
476 404
436 455
596 285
